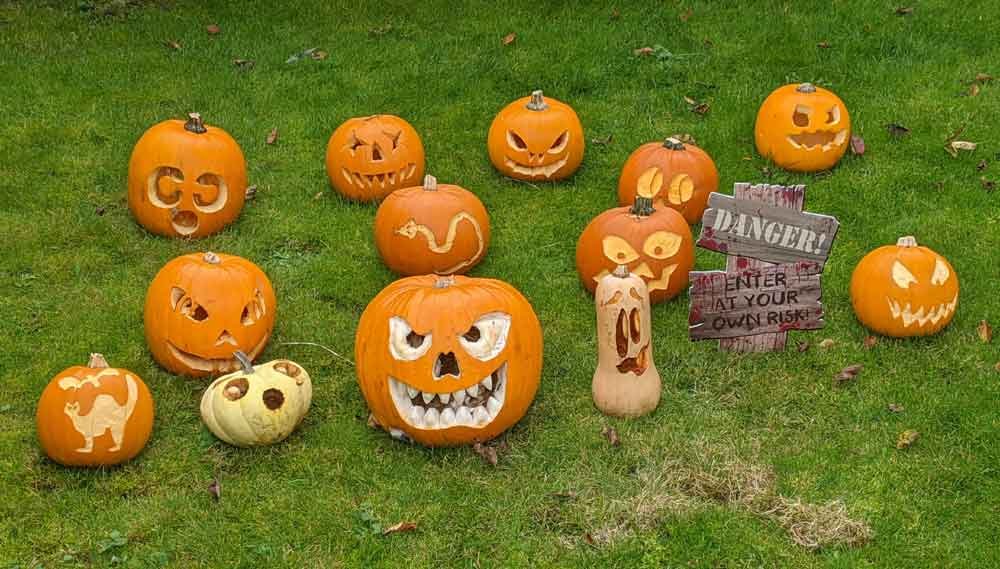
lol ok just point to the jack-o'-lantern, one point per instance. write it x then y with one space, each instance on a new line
434 228
369 157
626 383
94 415
688 172
203 307
186 179
904 290
536 138
803 128
654 243
448 361
259 404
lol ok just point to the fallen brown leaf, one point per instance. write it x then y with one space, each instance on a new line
602 141
509 38
983 164
906 439
973 90
318 195
172 44
589 539
213 29
869 342
565 495
251 192
243 63
904 11
847 374
857 145
827 343
983 78
319 55
643 51
689 100
803 346
272 136
488 454
701 109
823 45
985 332
988 185
100 210
399 528
611 434
897 130
215 489
955 146
896 408
686 15
685 138
997 367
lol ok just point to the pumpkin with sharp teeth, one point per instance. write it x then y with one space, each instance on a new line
536 138
201 308
186 179
369 157
447 361
904 290
654 243
803 128
687 176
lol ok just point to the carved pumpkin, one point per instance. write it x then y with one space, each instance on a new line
186 179
904 290
94 415
655 244
803 128
257 405
536 138
688 171
434 228
369 157
626 383
203 307
448 361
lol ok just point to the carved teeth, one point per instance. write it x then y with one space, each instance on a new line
444 397
473 391
544 171
922 315
412 392
473 406
428 397
488 383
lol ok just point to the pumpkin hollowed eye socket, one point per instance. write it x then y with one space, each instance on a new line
394 137
941 273
193 310
902 276
376 153
560 143
515 141
662 245
618 250
487 337
633 325
404 343
473 334
801 115
833 115
353 142
254 309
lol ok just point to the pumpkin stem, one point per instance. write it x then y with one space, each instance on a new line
211 258
195 124
673 144
430 183
621 271
444 282
537 102
97 361
907 241
642 207
806 88
244 361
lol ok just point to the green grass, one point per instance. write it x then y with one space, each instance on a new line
80 86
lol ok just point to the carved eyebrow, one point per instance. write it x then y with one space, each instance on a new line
615 298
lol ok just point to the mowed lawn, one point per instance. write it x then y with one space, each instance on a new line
83 79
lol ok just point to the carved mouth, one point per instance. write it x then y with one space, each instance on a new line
545 171
382 180
923 315
636 365
213 365
184 222
475 406
818 139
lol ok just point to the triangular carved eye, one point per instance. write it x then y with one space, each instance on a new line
902 276
560 143
394 137
941 273
516 141
176 294
353 142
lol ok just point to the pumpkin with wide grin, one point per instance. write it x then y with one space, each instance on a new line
802 128
536 138
367 158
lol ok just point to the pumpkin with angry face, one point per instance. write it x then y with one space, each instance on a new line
186 179
904 290
369 157
803 128
203 307
535 138
689 172
448 361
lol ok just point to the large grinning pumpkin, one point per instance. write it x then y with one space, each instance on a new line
536 138
803 128
369 157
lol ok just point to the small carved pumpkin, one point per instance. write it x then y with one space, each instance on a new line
186 179
803 128
434 228
688 171
94 415
257 405
655 244
369 157
203 307
536 138
626 383
904 290
448 361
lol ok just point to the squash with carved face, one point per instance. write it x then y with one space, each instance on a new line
369 157
186 179
654 243
536 138
803 128
904 290
689 172
448 361
201 308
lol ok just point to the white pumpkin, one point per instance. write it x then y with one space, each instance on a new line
258 405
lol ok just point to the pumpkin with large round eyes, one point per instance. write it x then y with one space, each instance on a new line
686 173
435 228
536 138
259 404
904 290
448 361
369 157
186 179
94 415
653 243
203 307
803 128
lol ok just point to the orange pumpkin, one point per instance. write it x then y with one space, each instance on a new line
448 361
904 290
186 179
655 244
369 157
94 415
203 307
536 138
690 173
803 128
434 228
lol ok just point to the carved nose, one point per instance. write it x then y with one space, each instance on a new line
226 338
446 364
